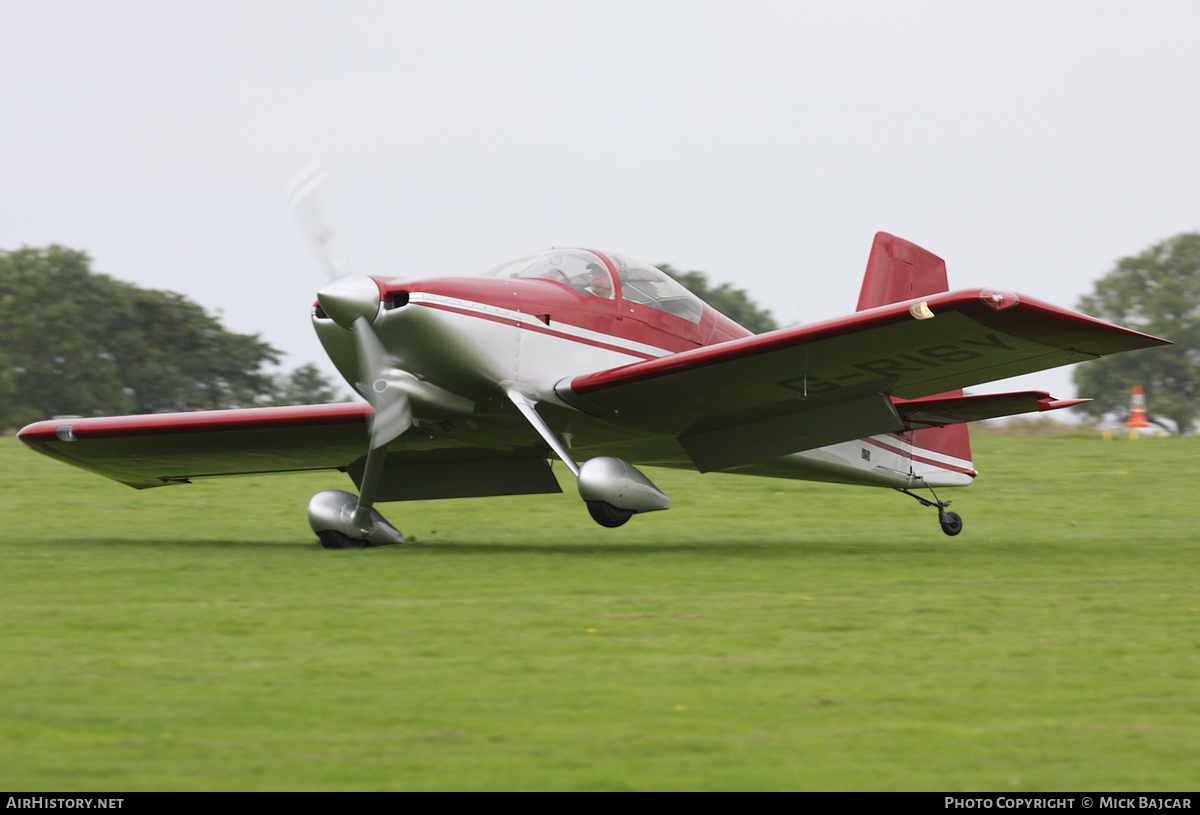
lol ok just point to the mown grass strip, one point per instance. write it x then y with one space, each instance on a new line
760 635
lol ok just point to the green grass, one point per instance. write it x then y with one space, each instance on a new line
760 635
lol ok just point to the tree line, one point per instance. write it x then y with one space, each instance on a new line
78 343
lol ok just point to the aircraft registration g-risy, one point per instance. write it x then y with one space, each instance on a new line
475 384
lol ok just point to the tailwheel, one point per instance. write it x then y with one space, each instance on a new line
606 514
951 522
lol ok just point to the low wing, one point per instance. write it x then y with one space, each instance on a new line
811 386
429 461
159 449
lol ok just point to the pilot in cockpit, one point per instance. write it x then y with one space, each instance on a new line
599 284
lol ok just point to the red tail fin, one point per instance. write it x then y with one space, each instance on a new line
897 271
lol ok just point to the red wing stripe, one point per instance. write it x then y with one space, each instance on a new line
201 421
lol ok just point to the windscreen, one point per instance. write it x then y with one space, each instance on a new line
642 283
586 272
578 268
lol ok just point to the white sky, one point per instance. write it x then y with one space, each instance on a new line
1030 144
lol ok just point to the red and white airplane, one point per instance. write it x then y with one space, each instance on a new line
475 384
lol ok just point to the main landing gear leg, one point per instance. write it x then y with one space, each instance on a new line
951 522
614 490
343 520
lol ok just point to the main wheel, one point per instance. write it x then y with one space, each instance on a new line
606 514
951 523
332 539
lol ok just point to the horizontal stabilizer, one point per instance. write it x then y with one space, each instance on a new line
941 411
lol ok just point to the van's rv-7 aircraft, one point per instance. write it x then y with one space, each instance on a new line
475 384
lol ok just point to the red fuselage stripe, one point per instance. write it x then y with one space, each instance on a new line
940 465
499 318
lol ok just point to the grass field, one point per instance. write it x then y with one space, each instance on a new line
760 635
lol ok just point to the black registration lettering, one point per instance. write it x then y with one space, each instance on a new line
807 385
990 341
886 367
949 353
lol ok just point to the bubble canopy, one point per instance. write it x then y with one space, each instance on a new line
590 272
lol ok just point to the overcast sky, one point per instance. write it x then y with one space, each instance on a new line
1030 144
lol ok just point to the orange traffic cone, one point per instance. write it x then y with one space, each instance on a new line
1137 409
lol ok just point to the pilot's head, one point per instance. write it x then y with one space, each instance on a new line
599 282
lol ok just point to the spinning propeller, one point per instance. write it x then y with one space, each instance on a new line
352 301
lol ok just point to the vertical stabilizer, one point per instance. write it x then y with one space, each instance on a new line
897 271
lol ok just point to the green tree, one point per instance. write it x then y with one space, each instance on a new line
73 342
60 321
304 386
733 303
175 356
8 363
1157 292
